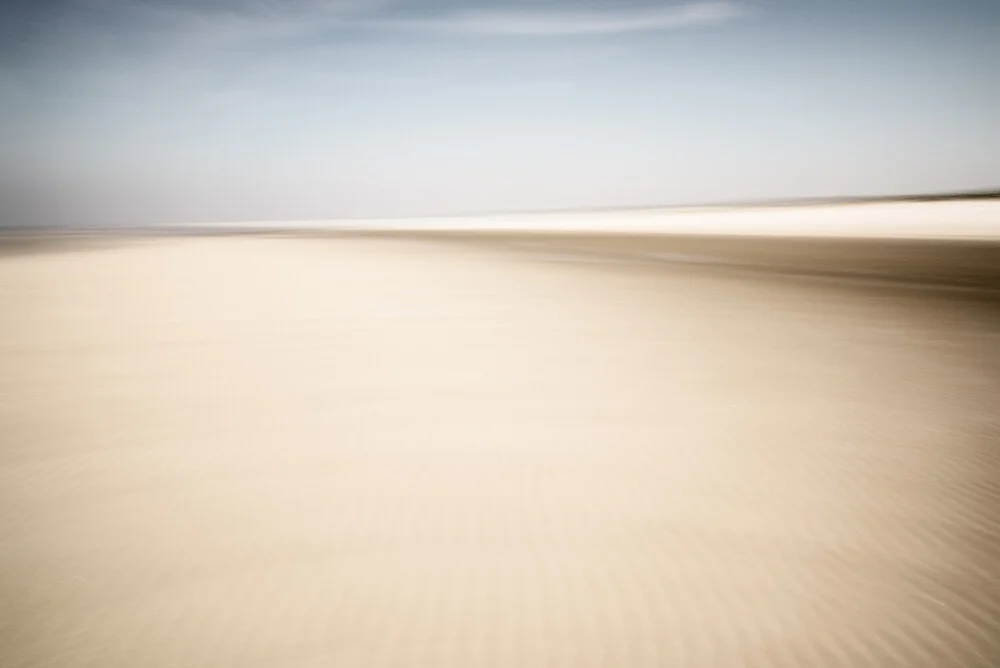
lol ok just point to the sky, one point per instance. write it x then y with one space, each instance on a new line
154 111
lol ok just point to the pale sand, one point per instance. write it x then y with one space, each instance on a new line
956 219
362 452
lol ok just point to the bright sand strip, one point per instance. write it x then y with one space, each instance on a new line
963 219
357 453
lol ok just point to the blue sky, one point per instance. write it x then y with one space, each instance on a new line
149 111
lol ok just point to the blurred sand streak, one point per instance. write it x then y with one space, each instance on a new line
361 452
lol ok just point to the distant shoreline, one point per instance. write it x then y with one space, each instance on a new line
968 215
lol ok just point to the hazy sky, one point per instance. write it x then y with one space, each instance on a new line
143 111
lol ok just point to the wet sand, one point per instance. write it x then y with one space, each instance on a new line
412 451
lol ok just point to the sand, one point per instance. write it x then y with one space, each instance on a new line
360 452
941 220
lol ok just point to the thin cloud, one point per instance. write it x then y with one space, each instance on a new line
527 22
168 28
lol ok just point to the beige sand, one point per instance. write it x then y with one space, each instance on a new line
359 453
954 219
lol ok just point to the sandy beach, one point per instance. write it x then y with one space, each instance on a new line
413 451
